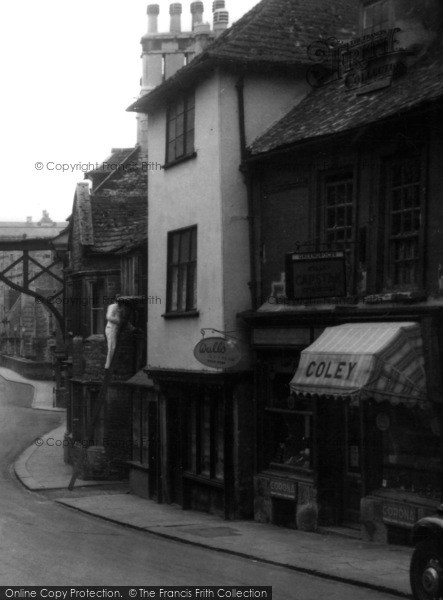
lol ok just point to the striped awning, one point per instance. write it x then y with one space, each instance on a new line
379 360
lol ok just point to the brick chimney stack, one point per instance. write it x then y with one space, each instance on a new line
175 10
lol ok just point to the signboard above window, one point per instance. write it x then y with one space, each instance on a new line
315 275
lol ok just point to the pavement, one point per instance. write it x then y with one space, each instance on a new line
337 557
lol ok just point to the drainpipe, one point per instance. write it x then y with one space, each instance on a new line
239 86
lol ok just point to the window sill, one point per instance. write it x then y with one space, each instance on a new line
186 314
397 295
178 161
137 465
203 479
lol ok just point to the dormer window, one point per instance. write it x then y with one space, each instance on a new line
376 16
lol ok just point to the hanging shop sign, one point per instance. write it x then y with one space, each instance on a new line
366 63
217 352
315 275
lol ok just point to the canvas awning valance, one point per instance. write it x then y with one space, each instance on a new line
379 360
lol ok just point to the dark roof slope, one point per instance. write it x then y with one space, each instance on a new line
120 223
281 30
275 33
119 204
334 109
118 156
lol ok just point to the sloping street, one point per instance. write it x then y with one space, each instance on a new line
44 543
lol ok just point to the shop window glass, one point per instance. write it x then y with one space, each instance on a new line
140 430
290 436
136 430
205 424
288 425
205 437
411 449
219 446
192 437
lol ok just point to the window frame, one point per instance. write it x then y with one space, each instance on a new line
99 309
390 282
339 179
346 173
134 274
186 130
180 266
211 449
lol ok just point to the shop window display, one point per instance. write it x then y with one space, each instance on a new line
289 426
205 437
411 445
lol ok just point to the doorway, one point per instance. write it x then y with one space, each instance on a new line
352 468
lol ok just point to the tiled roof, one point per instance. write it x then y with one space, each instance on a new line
275 33
334 109
281 30
119 206
118 156
120 222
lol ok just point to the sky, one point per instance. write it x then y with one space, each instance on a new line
69 71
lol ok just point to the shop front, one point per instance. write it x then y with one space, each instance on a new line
206 448
349 434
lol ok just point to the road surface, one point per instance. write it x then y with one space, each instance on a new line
43 543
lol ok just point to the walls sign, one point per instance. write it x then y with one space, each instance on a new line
217 352
399 514
282 488
315 275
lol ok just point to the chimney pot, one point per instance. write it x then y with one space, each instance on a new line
175 10
153 9
197 9
153 12
202 32
218 4
221 21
